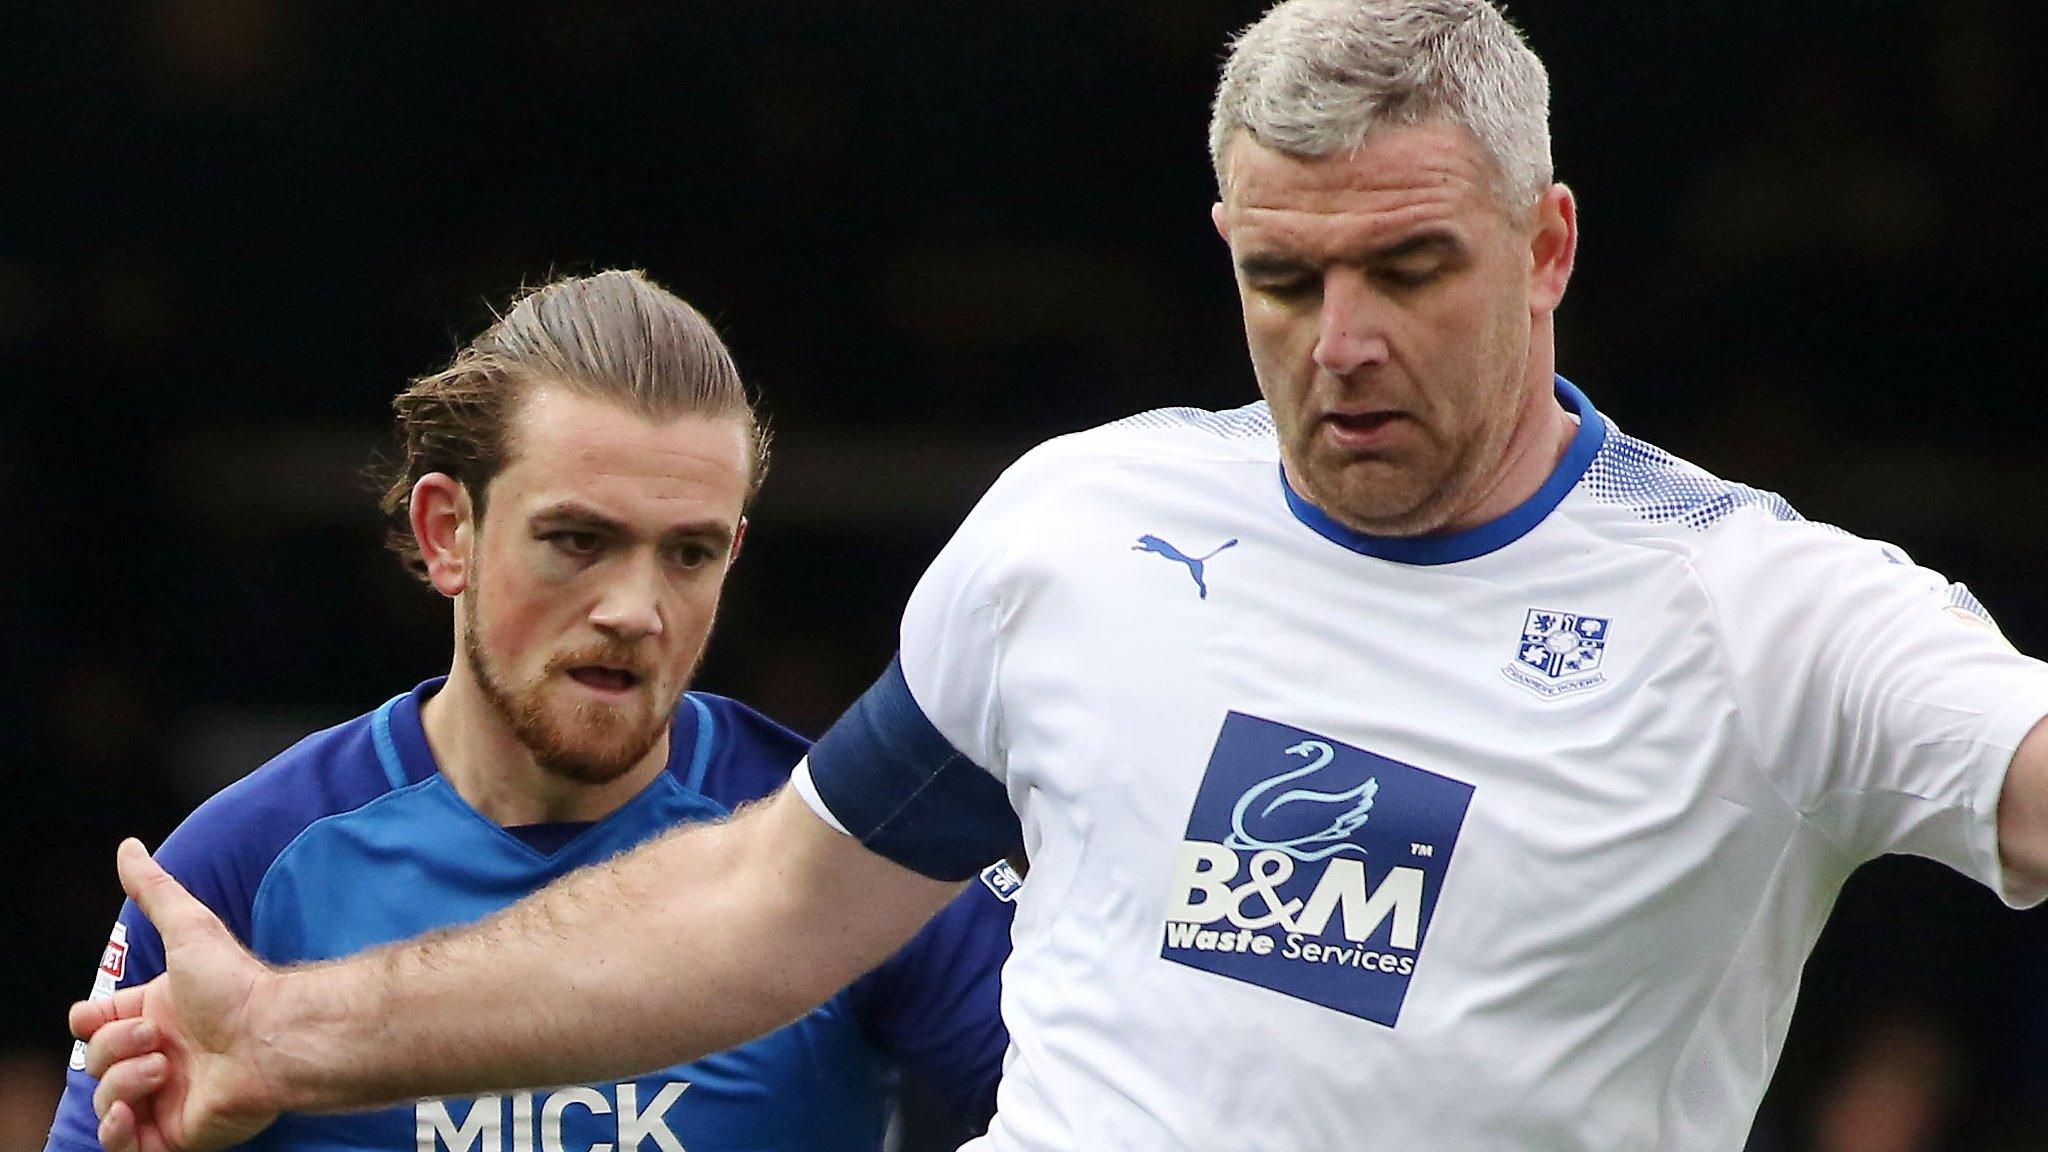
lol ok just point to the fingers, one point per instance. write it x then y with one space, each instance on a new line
118 1041
89 1016
117 1127
130 1082
149 1137
127 1129
173 910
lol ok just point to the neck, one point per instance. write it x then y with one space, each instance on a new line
499 776
1542 434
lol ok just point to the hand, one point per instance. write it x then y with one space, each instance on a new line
176 1056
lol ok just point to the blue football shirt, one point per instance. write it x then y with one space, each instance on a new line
352 838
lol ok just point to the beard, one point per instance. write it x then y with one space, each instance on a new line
595 742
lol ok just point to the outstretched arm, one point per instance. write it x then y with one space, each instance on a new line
2023 810
706 937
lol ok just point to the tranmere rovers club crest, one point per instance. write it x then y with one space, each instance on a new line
1559 652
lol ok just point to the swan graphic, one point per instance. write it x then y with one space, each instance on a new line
1159 547
1322 844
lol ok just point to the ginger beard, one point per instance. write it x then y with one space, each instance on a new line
588 741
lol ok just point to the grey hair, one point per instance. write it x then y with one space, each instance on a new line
1312 77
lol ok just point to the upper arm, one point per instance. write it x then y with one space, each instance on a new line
825 905
2023 812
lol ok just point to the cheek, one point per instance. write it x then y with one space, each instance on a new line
515 618
1281 341
1261 327
1477 328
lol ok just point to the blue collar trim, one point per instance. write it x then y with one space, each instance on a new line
1451 547
408 736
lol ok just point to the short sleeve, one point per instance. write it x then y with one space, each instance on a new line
1881 697
134 955
952 626
220 853
201 859
916 769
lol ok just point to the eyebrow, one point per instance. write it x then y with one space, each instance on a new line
1431 241
1259 264
572 512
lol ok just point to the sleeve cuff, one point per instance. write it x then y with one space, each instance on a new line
894 782
808 789
2003 733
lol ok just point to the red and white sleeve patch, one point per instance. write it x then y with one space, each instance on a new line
113 966
114 961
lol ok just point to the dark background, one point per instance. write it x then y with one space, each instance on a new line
934 233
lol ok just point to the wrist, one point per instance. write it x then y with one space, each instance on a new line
300 1035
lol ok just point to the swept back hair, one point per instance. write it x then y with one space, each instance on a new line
615 336
1312 77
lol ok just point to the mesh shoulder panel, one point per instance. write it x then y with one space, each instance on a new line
1252 421
1660 488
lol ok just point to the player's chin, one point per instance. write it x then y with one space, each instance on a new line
593 766
593 754
1384 501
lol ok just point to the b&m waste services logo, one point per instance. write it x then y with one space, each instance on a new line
1312 868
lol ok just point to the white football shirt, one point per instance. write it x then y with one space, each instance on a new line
1516 838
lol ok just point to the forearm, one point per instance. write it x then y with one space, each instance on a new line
693 943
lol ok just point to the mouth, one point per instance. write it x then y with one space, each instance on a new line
1360 431
605 680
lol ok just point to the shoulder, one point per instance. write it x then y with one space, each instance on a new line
1749 549
736 753
1152 455
1642 491
1638 480
1162 436
1162 439
222 850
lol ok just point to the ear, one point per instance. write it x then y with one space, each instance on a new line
739 537
1553 249
443 522
1221 219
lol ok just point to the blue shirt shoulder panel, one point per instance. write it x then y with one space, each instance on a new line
353 838
221 853
735 755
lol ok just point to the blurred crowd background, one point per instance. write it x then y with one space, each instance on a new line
934 233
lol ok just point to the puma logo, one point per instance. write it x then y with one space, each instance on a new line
1158 547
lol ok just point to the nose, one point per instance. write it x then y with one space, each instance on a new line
1349 335
629 607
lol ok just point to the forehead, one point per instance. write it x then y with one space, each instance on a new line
566 447
1402 178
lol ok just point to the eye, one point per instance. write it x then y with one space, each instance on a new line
692 555
1409 275
1288 287
569 542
